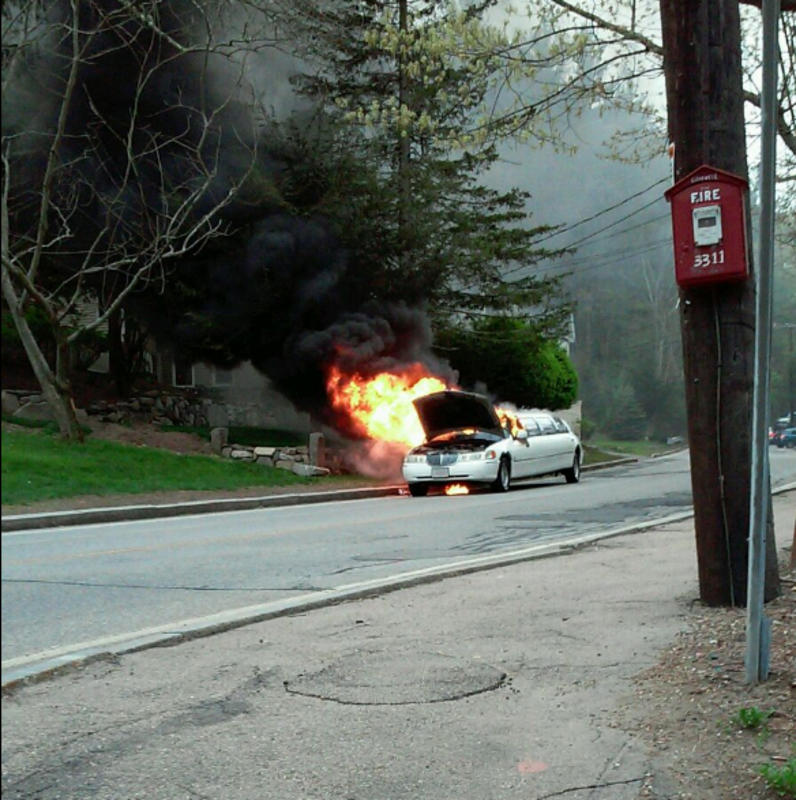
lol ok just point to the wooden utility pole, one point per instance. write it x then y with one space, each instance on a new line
704 93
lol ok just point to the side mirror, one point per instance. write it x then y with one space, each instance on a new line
522 434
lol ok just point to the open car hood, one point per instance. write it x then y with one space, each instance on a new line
446 411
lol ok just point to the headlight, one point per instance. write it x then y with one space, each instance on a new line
413 459
471 457
490 455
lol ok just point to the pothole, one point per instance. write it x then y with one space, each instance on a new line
390 677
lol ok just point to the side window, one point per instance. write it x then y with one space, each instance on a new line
530 425
561 426
183 374
547 425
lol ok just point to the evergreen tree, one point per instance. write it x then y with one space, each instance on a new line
402 85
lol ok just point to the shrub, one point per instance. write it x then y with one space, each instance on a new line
781 779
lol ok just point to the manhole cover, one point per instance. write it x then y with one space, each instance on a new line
376 677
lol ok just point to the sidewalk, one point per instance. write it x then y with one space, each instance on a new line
516 682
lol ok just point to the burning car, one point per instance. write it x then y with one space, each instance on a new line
469 442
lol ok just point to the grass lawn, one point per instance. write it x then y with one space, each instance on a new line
41 466
593 455
631 448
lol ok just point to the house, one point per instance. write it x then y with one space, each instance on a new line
238 396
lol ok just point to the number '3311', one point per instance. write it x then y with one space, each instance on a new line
702 260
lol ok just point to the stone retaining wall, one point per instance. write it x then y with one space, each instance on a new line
294 459
167 408
156 406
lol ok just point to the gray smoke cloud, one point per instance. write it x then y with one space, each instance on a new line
273 289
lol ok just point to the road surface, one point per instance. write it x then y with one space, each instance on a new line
70 590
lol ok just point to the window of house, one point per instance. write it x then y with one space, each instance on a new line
183 371
222 377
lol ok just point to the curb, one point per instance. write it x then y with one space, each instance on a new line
54 519
57 519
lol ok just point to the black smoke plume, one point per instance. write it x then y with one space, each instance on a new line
280 301
275 287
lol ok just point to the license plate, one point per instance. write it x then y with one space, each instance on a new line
440 472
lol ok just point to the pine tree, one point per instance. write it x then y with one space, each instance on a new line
403 86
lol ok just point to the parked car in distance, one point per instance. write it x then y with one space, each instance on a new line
787 438
466 442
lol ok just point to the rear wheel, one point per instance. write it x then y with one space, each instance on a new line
503 480
573 473
418 489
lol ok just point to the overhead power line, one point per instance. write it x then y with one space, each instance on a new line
589 262
611 225
606 210
649 221
584 263
615 223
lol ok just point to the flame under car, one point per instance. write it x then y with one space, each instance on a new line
466 442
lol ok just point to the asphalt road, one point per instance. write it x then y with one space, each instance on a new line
77 589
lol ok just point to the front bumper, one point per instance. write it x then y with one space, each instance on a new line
464 472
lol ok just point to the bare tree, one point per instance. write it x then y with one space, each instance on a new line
661 307
126 137
602 54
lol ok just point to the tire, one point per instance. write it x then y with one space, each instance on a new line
503 481
572 474
418 489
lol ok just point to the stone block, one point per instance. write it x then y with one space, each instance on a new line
34 410
218 439
309 470
265 451
241 455
317 450
10 402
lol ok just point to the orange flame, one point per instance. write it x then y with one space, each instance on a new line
456 488
381 405
509 420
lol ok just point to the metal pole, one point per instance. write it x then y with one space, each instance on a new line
791 382
790 392
757 640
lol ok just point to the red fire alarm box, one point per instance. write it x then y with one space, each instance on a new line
709 227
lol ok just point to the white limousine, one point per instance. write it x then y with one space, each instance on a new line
466 442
